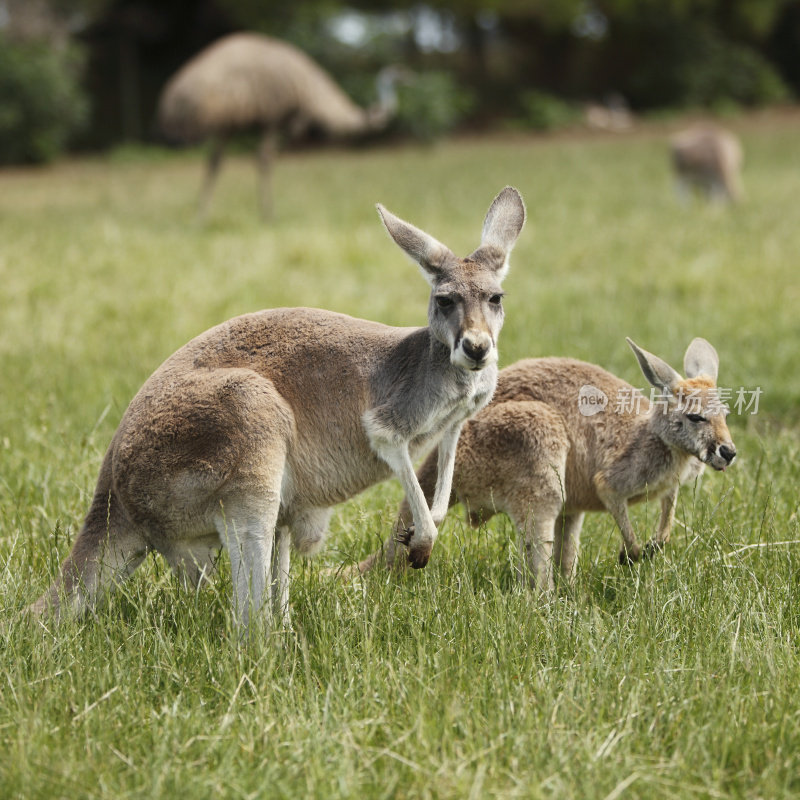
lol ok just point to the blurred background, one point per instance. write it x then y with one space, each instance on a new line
85 75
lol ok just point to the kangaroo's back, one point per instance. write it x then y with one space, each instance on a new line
590 408
555 380
320 368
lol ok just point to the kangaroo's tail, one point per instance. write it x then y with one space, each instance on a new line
106 551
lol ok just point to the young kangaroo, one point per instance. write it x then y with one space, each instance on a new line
258 426
709 159
563 437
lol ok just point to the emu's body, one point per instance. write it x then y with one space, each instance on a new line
248 81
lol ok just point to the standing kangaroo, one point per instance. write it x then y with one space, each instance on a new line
709 159
563 437
258 426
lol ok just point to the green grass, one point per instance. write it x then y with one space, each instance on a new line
676 678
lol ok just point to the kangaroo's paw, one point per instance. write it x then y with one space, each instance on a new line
418 554
418 558
652 548
404 537
630 556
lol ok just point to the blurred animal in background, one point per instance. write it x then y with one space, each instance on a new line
708 159
563 437
613 114
247 81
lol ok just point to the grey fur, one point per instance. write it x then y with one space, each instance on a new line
258 426
701 359
246 80
658 373
709 159
535 456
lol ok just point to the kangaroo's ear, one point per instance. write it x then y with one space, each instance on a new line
658 372
701 359
431 255
502 226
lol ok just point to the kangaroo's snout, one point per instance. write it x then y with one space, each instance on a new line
474 350
722 456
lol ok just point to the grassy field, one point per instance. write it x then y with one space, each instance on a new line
676 678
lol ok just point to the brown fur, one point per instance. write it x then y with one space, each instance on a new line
532 455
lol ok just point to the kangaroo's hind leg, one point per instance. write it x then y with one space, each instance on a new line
247 530
536 524
193 561
280 574
250 502
567 544
529 476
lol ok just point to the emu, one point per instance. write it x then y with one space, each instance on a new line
248 81
252 431
563 437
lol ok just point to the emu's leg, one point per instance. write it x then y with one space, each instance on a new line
267 149
212 171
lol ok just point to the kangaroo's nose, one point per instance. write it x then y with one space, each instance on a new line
475 350
728 453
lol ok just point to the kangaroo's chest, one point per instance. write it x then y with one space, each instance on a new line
447 414
680 471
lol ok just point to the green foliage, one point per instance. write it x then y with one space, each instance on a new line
694 66
543 112
431 104
674 678
42 102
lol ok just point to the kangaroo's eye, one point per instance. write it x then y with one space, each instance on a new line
695 418
444 301
496 299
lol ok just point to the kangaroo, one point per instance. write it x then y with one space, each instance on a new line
709 159
253 430
563 437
